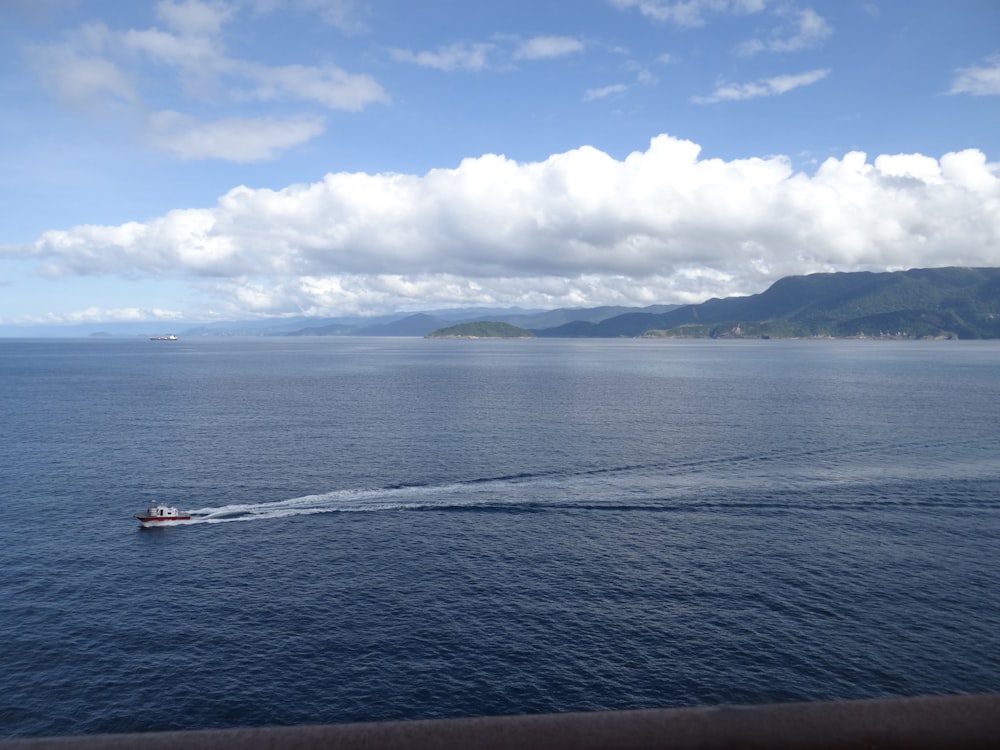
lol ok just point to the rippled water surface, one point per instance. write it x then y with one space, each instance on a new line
397 528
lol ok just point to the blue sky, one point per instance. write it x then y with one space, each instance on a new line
192 160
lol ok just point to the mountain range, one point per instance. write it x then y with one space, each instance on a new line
935 302
961 303
919 303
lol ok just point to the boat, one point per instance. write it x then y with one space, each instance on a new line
159 515
171 337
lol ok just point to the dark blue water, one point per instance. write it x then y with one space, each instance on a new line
405 528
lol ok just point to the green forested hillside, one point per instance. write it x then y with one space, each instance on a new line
936 302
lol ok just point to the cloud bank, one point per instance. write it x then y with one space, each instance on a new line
579 228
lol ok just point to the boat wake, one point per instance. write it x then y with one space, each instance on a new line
856 477
418 497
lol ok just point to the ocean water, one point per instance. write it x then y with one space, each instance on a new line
408 528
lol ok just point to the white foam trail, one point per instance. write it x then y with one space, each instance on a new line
354 501
725 475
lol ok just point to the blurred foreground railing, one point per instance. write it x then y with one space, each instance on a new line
965 721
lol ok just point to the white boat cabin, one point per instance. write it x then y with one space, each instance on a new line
163 511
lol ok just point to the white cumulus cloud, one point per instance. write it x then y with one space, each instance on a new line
578 228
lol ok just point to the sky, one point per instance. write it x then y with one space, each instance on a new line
200 160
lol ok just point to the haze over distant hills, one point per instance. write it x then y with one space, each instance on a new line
398 324
936 302
421 324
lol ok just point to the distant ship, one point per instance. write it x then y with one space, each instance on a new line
171 337
159 515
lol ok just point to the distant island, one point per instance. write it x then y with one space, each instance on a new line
481 329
